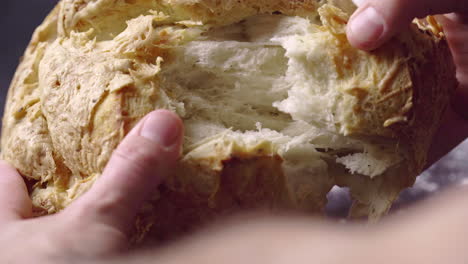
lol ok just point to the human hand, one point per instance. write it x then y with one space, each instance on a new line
433 233
376 21
97 223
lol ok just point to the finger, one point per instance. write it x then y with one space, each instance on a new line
143 159
14 199
376 21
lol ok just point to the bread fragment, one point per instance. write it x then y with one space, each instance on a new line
278 107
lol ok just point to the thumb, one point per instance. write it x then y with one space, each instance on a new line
143 159
14 199
376 21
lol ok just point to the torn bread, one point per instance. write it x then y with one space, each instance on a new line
278 107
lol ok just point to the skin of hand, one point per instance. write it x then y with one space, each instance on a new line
376 21
97 224
434 232
92 230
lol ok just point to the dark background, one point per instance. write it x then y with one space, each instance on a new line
19 18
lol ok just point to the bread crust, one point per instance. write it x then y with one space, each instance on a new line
84 82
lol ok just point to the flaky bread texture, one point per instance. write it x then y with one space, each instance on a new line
278 107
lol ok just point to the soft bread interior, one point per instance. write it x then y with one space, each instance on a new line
271 95
270 78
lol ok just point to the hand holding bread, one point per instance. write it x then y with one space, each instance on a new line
99 223
394 16
284 151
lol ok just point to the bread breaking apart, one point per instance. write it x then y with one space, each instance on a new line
278 107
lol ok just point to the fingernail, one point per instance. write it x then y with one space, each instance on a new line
367 26
162 127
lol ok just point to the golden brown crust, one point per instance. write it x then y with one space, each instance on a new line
92 71
428 106
431 86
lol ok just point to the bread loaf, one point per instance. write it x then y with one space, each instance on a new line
278 107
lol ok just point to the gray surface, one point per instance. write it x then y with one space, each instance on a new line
451 170
18 18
